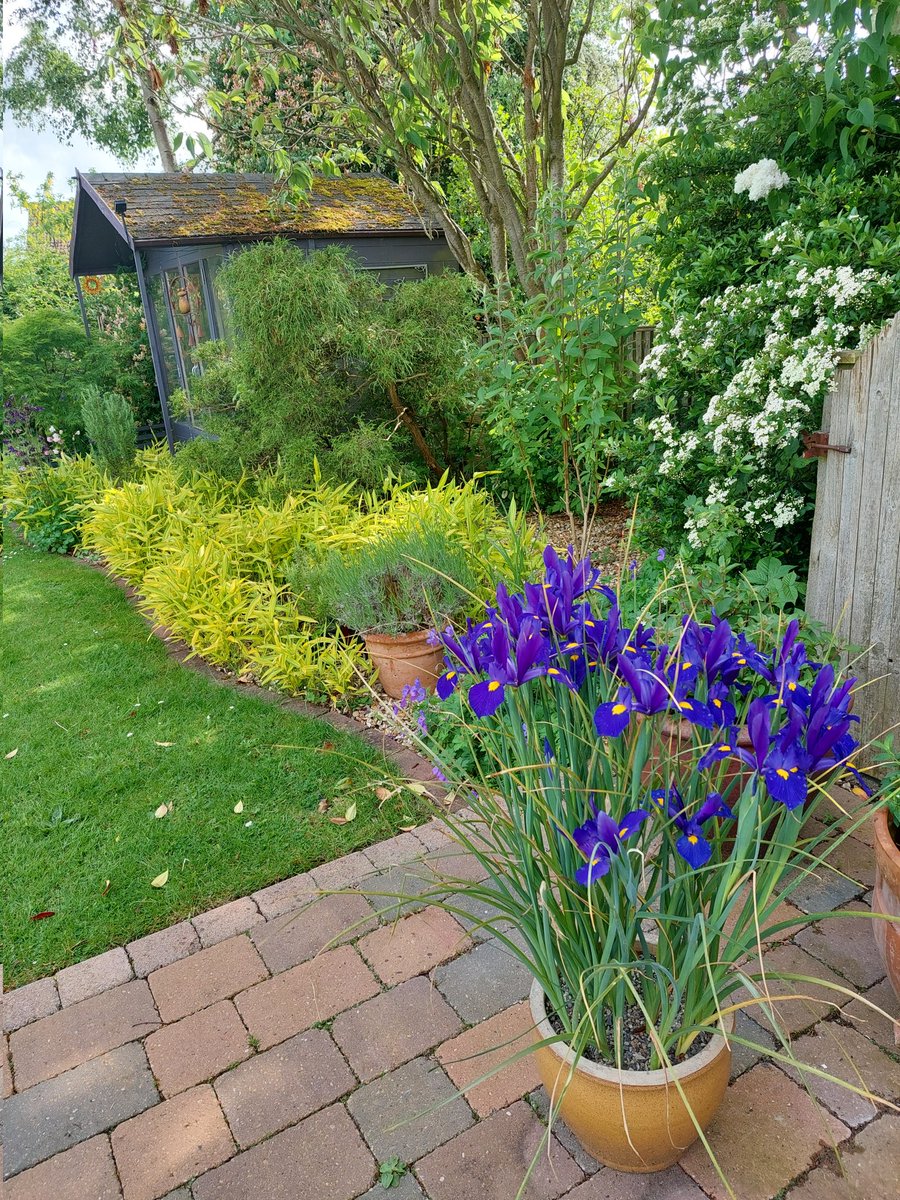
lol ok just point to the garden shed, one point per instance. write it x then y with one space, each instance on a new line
176 229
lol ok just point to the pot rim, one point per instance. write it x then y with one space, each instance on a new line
661 1077
884 840
398 639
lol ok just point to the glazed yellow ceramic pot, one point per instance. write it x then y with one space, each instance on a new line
632 1120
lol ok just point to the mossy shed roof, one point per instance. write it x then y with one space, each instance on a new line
173 208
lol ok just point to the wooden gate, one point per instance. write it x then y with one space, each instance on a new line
854 568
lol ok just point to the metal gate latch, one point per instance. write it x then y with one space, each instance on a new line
816 445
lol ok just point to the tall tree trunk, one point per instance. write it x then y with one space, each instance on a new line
157 123
405 414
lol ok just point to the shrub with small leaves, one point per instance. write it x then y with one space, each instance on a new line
109 423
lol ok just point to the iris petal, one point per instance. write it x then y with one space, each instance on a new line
486 697
694 849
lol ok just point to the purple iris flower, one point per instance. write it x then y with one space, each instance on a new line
553 600
780 760
644 692
599 838
660 555
510 666
470 651
692 845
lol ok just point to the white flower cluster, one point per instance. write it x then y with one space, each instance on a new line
769 397
760 178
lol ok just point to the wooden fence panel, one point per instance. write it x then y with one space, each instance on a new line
854 577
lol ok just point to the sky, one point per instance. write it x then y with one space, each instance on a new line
32 153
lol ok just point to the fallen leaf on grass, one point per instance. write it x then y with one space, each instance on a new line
164 743
418 788
160 880
161 811
323 806
338 820
12 753
408 828
384 793
40 916
106 889
239 807
327 746
350 814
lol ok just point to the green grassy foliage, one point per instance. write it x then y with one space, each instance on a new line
106 728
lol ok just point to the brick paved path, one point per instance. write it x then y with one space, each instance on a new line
228 1058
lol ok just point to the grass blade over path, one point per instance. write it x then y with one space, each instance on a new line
106 728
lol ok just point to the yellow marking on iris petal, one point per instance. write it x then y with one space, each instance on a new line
493 685
782 773
792 687
794 770
725 747
618 709
572 646
693 839
631 649
574 657
686 705
776 700
717 703
623 832
742 661
686 666
592 663
590 624
451 675
552 671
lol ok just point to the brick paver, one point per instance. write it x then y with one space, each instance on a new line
871 1168
846 1054
410 1111
322 1157
259 1103
394 1027
159 949
93 976
29 1003
403 848
482 983
414 945
491 1159
345 872
824 890
818 1000
82 1032
285 896
847 945
85 1171
283 1085
673 1184
59 1113
207 976
483 1049
170 1144
291 939
314 991
766 1135
226 921
197 1047
882 1023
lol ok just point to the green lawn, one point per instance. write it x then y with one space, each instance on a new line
99 728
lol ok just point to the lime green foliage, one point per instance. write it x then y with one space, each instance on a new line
407 581
49 504
108 728
211 558
324 347
109 422
42 352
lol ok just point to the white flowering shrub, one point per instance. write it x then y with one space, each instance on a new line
734 378
760 178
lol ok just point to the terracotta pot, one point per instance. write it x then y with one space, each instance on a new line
632 1120
403 659
886 897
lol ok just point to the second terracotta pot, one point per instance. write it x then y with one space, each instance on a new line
633 1121
886 897
401 660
